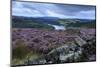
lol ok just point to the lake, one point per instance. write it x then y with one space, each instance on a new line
58 27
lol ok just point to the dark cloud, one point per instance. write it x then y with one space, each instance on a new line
53 10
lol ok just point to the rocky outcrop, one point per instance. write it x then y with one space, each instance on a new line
66 53
57 46
71 52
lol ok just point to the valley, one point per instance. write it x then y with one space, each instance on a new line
52 40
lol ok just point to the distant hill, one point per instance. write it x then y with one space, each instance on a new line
43 22
85 25
47 20
26 22
88 23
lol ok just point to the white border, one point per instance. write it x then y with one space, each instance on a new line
5 35
88 2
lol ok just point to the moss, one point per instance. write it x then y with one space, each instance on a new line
22 53
21 50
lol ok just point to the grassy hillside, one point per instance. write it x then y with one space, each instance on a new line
42 22
28 23
78 23
84 25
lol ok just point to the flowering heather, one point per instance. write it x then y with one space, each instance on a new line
43 41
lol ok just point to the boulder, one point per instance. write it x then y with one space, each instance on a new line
66 53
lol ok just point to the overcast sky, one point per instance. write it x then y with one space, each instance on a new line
30 9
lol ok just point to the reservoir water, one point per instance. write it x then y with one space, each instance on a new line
58 27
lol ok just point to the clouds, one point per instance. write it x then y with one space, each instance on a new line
30 9
90 14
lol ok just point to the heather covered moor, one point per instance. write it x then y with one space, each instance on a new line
64 35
